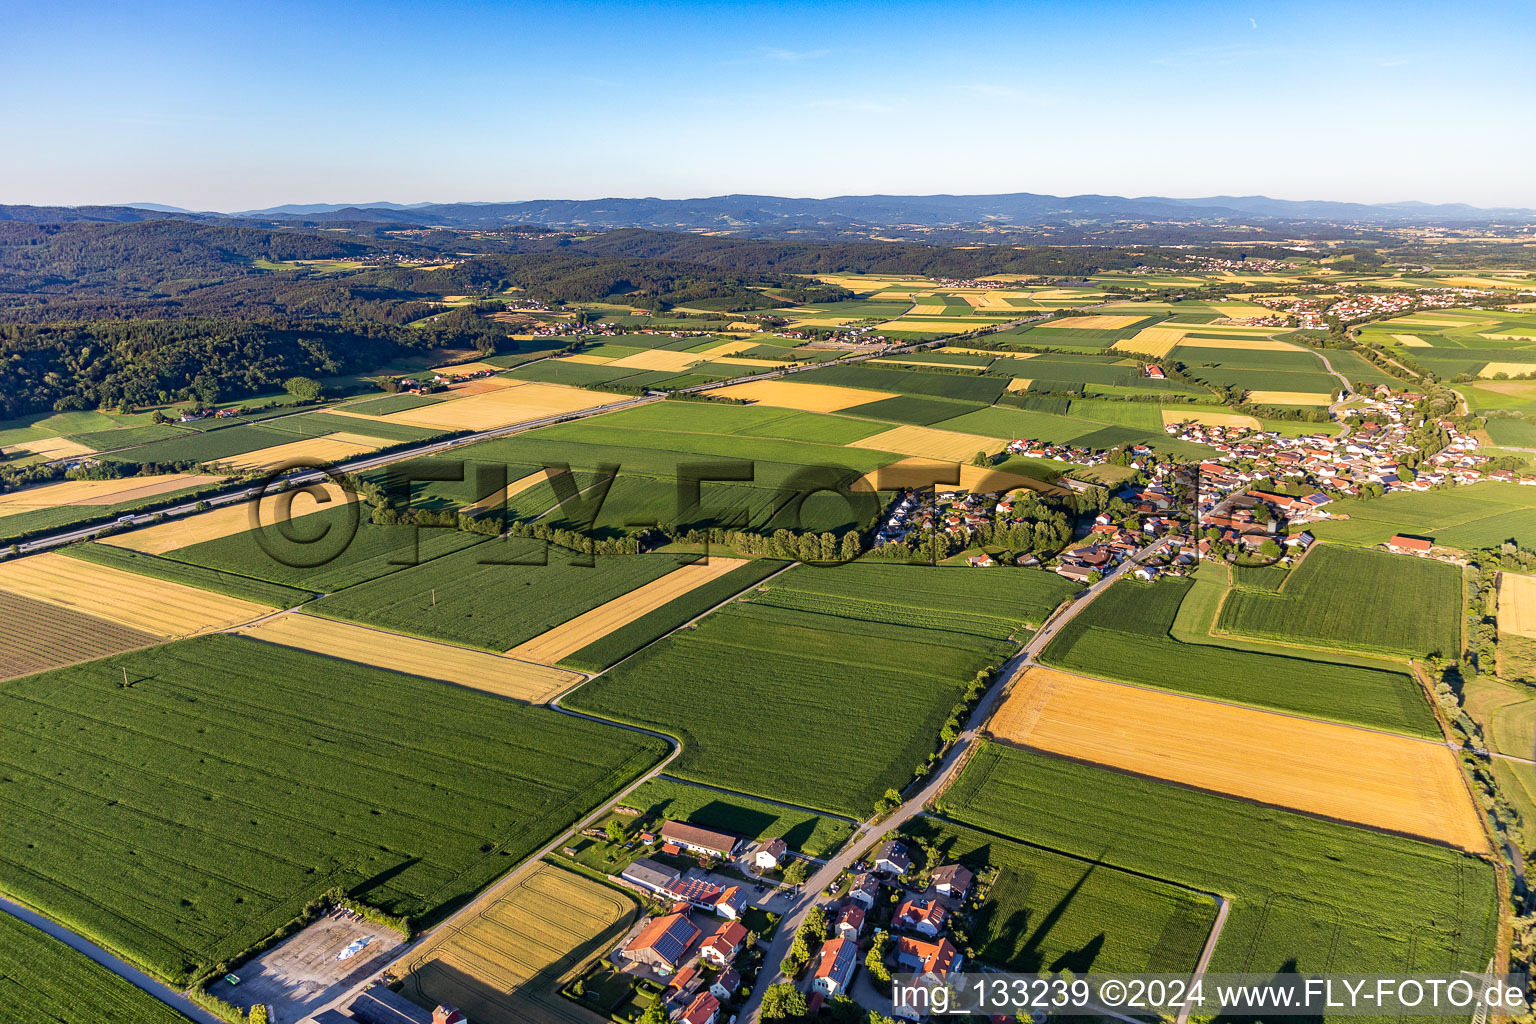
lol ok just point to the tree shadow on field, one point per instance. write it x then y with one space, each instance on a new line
1287 978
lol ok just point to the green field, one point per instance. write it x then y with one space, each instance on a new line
181 819
909 382
318 424
814 835
913 409
494 595
391 403
326 555
45 981
1355 599
208 446
1480 515
1124 635
653 625
1307 894
830 685
216 580
1053 911
124 437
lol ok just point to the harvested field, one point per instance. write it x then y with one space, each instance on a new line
1393 783
659 359
330 448
502 408
986 352
937 326
1101 322
505 964
932 443
1411 340
35 636
1020 383
787 394
1508 369
1517 604
729 348
229 520
49 448
480 670
1295 397
503 495
1152 341
459 369
98 492
917 474
140 602
1209 419
927 309
589 627
480 386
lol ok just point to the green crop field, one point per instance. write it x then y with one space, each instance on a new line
325 555
44 981
1052 911
654 625
318 424
1481 515
205 446
126 437
483 597
1124 635
184 817
814 835
909 382
391 403
1307 895
202 577
827 686
1356 599
913 409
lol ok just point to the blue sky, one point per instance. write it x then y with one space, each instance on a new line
235 106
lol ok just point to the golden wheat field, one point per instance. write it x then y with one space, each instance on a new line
139 602
566 639
788 394
1152 341
1377 779
505 961
658 359
986 352
1246 343
1508 369
1411 340
1099 322
98 492
1209 419
932 443
1291 397
480 670
228 520
936 326
1020 383
728 348
459 369
329 448
517 404
918 474
1517 604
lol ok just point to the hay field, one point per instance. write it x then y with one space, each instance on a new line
1101 322
143 603
329 448
1380 780
49 448
1209 419
1020 383
522 402
787 394
479 670
1152 341
1295 397
658 359
1411 340
228 520
507 961
1250 344
98 492
1508 369
1517 604
927 309
729 348
932 443
589 627
499 497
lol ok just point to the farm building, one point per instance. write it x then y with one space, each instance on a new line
1410 545
378 1005
770 852
699 839
834 966
663 943
650 874
697 892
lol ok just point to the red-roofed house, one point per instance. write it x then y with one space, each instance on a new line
834 966
663 943
704 1009
721 947
732 902
927 957
725 984
698 892
1410 545
925 916
850 921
